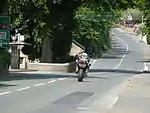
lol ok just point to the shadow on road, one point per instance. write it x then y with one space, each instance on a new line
27 76
92 74
111 57
145 60
6 85
115 71
115 54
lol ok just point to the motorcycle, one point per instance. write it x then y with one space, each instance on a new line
82 70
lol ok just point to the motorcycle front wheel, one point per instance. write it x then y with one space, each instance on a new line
81 75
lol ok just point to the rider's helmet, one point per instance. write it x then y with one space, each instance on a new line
84 55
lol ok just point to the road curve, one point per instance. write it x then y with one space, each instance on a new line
49 93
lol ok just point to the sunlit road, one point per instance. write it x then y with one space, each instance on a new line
63 94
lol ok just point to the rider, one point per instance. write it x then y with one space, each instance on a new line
86 57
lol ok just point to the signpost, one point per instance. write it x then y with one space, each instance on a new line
4 31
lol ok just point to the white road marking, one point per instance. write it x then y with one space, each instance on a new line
52 81
62 78
39 84
4 93
21 89
127 48
82 108
115 100
111 98
93 62
25 88
145 67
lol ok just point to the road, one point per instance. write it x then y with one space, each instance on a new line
47 93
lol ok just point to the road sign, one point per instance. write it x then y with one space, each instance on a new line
4 31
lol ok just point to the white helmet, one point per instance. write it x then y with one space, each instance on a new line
84 55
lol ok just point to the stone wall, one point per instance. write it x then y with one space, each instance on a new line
52 67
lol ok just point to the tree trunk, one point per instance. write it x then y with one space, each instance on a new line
46 51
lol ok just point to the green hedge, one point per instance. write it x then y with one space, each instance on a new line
148 39
5 58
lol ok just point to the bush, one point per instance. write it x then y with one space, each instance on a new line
145 30
5 58
148 39
93 27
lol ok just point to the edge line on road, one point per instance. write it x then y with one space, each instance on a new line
127 49
116 98
114 102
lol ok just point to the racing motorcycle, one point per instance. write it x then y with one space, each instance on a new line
83 67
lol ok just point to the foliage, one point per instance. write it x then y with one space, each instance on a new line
28 16
88 21
136 14
93 26
144 5
61 24
142 28
40 19
3 7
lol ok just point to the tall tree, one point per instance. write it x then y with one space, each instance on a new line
48 24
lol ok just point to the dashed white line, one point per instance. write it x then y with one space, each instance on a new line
4 93
116 98
62 78
127 48
52 81
82 108
25 88
21 89
39 84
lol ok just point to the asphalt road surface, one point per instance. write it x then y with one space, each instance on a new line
49 93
